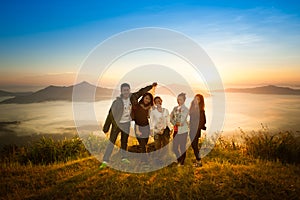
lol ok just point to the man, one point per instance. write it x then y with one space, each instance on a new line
119 117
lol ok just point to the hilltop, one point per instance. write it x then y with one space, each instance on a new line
224 175
265 166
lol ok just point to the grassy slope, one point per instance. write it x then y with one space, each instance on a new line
226 174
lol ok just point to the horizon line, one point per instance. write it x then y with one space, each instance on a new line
17 88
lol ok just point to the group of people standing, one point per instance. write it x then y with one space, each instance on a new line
152 119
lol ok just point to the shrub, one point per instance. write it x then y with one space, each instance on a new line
282 146
47 151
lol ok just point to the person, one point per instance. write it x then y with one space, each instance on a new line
197 122
140 115
178 118
160 125
119 118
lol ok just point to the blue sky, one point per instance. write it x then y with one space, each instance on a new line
255 42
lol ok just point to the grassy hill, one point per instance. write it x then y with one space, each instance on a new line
228 172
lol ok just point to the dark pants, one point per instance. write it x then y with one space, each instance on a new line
179 147
194 137
143 139
115 130
160 140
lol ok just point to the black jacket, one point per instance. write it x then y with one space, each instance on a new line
116 109
197 120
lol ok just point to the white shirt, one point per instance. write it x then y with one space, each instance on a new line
180 114
159 120
126 111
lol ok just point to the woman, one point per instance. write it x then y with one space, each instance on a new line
160 124
140 115
197 122
178 118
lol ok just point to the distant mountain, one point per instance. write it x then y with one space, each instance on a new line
270 89
63 93
13 94
5 94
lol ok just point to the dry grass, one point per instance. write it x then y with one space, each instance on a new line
226 174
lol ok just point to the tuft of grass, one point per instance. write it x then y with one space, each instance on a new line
282 146
47 151
44 151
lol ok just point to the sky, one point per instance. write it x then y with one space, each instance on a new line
251 43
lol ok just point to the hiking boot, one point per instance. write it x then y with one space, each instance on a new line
198 163
103 165
180 165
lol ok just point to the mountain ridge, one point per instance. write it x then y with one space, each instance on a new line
84 90
268 89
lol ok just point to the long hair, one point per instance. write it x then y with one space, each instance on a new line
151 99
201 103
